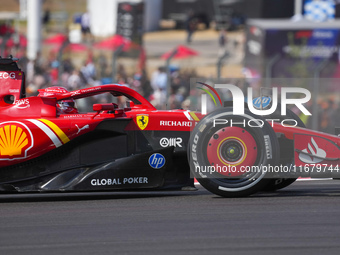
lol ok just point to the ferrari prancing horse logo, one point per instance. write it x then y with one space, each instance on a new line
142 121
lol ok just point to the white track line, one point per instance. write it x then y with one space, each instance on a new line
300 179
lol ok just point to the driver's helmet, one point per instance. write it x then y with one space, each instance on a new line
67 106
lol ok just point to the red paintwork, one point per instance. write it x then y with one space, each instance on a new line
312 142
289 132
315 144
11 83
241 137
31 126
44 130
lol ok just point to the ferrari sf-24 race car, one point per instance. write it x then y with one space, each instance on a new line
46 146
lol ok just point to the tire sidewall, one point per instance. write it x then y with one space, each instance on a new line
268 152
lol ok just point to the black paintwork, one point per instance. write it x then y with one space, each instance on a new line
108 152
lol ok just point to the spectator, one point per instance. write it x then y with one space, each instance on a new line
23 60
159 79
88 71
85 25
331 113
159 85
145 84
222 41
74 81
46 19
190 25
102 62
158 99
336 115
68 66
121 73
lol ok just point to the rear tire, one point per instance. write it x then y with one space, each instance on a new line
237 146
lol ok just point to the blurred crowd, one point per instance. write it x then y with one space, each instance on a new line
44 72
328 115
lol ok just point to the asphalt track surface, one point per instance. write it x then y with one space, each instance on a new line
301 219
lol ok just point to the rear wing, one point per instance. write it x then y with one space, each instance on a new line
12 81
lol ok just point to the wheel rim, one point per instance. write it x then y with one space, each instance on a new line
230 150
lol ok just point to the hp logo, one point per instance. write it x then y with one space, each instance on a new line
265 102
156 160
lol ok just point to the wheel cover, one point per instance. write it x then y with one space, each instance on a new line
231 148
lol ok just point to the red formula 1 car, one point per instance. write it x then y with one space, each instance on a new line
47 145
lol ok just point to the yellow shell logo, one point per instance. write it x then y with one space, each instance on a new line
14 140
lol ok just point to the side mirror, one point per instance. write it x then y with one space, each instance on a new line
104 107
111 108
